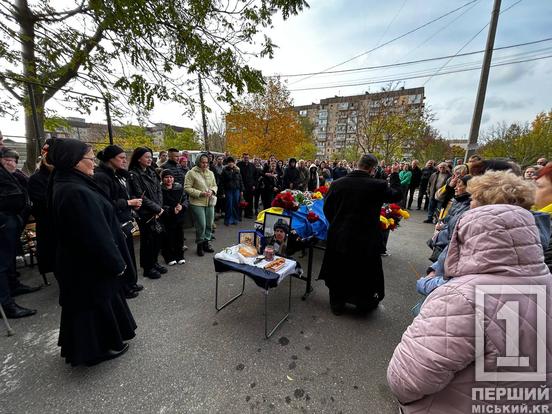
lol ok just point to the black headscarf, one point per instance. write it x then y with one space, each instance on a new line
109 152
65 153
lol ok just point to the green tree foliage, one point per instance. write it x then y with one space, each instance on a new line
521 143
185 140
132 52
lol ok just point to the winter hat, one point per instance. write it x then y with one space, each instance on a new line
9 153
166 173
282 225
111 151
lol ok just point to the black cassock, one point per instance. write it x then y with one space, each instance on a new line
90 253
352 266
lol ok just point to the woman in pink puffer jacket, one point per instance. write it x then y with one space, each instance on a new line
433 368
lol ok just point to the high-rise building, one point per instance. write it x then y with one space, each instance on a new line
337 120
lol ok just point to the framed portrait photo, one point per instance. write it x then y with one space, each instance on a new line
271 219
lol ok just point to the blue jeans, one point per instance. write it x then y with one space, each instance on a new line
434 206
232 200
10 229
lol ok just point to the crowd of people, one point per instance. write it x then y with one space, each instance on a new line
492 226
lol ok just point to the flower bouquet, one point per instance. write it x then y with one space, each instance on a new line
391 215
286 200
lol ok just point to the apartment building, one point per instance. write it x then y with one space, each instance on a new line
94 132
337 120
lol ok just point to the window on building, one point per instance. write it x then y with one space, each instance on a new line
303 112
343 106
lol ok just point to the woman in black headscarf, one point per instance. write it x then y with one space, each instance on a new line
112 177
91 257
145 184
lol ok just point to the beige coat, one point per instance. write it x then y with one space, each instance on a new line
197 182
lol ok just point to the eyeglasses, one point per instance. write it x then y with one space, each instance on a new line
89 158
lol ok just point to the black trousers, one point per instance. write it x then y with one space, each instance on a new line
422 194
248 196
173 242
411 191
150 244
267 197
10 230
130 278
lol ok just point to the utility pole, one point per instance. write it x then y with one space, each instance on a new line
482 89
109 125
203 117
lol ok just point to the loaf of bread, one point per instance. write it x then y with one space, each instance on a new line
247 251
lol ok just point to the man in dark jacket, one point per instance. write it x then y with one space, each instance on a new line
14 208
174 167
427 171
352 265
249 178
339 171
231 182
292 176
414 182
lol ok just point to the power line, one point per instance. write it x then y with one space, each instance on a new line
395 38
420 76
468 42
428 71
411 62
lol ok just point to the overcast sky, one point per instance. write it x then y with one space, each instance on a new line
333 31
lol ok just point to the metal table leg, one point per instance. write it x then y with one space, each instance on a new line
230 300
8 327
308 288
269 334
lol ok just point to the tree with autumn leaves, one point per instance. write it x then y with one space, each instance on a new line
265 123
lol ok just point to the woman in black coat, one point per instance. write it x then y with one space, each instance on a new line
175 204
91 258
37 188
270 184
145 184
112 178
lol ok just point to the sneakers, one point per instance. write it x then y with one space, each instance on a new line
181 261
160 269
152 274
172 263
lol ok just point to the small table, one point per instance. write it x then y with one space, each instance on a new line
265 279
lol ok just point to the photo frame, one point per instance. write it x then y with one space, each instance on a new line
270 219
247 237
251 238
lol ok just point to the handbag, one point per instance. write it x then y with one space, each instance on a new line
155 226
129 228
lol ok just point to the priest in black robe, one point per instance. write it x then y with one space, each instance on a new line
352 267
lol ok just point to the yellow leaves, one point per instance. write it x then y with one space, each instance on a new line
266 124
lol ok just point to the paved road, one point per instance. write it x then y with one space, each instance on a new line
187 358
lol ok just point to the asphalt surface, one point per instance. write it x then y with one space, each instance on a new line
187 358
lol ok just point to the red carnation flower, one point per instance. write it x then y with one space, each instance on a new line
312 217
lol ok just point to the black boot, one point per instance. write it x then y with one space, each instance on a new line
14 311
200 249
207 247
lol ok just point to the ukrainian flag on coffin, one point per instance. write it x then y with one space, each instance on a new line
299 221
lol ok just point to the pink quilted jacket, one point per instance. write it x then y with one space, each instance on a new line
433 367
